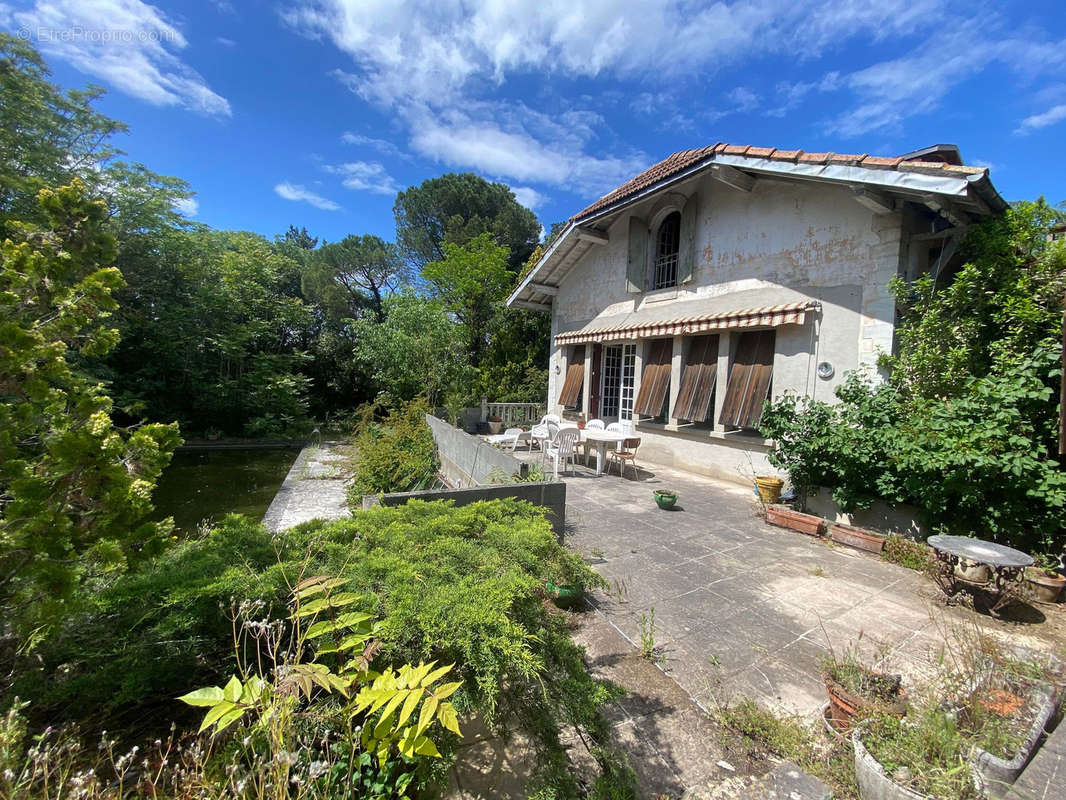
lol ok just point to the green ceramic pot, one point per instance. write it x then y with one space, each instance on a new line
665 499
565 595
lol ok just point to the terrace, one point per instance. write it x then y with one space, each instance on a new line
742 609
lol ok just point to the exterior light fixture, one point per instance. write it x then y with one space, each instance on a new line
825 370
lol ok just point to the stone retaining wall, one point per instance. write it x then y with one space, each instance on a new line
466 460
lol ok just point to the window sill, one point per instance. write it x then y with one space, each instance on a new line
737 438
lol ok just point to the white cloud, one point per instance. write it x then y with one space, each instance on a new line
383 146
222 40
127 43
916 83
792 94
434 64
1038 121
528 197
517 143
187 206
297 193
365 176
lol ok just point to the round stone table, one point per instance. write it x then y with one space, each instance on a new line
1007 564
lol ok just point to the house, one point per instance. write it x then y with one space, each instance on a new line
728 274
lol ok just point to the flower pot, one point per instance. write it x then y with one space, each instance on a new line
565 595
876 784
1046 588
844 705
665 498
769 488
859 538
973 572
796 520
495 425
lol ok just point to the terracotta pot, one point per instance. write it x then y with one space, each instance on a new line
1046 588
769 488
796 520
843 705
859 538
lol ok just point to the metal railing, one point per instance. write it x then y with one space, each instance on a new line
512 413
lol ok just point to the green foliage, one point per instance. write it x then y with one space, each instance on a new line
928 742
397 454
456 208
907 553
351 277
965 428
211 338
471 280
418 349
75 490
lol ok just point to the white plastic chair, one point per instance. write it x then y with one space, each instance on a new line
586 447
562 448
513 435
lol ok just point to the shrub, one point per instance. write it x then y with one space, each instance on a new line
396 454
907 553
455 585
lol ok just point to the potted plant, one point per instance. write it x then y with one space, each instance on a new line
1045 581
796 520
495 425
213 434
859 538
856 690
665 498
565 595
769 488
897 759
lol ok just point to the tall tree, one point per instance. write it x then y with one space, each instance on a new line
75 490
353 275
471 280
456 208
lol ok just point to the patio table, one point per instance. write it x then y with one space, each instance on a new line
601 438
1007 564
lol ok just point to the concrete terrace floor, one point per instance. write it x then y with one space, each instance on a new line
746 609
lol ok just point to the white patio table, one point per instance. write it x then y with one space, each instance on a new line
601 439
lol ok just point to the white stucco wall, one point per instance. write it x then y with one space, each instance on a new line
783 242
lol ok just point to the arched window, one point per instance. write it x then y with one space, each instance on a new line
667 246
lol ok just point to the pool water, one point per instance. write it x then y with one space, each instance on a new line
203 485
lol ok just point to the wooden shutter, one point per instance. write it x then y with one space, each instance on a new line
637 262
655 380
686 256
749 380
698 379
575 375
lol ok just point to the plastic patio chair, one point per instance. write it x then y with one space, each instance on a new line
513 435
591 425
562 448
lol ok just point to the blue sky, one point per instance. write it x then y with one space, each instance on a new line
314 112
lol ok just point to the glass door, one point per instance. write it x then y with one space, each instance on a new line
619 374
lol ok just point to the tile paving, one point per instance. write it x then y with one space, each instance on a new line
742 608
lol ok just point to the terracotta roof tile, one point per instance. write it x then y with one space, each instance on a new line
679 162
844 158
881 161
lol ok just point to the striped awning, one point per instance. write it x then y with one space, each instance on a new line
762 317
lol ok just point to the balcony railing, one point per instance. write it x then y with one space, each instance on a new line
512 414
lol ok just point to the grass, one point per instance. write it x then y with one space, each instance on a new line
759 732
907 553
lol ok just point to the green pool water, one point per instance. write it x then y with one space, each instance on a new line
208 484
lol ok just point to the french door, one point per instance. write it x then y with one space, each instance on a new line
619 375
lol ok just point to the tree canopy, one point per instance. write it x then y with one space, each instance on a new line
456 208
